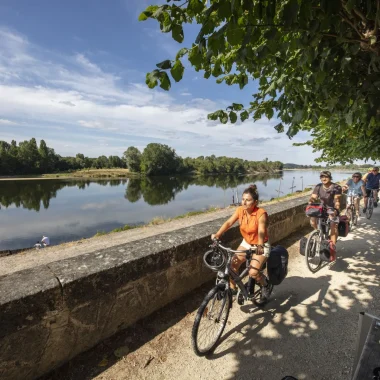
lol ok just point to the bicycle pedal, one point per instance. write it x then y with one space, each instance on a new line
240 299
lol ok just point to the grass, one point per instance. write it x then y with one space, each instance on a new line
158 220
91 173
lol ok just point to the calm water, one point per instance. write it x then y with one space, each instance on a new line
67 210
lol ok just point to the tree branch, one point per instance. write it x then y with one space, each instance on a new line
377 16
360 14
351 24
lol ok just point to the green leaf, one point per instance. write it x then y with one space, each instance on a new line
233 117
348 118
224 10
164 65
195 6
298 116
144 16
243 81
151 79
195 57
320 77
165 81
271 34
290 12
148 12
177 70
234 35
269 113
244 115
237 106
279 128
349 5
181 53
223 117
177 33
213 116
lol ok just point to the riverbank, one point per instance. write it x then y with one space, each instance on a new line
113 173
85 173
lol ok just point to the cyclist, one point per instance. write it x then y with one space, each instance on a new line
329 193
366 174
253 223
355 187
372 183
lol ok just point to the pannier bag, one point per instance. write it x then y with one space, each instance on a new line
303 242
277 264
314 210
343 226
324 250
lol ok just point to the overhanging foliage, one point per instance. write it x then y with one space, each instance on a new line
317 63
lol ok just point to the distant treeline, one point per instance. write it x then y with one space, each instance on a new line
329 167
159 159
156 159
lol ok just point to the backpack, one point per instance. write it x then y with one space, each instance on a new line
277 265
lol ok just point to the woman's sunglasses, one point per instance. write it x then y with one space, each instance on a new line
323 176
355 176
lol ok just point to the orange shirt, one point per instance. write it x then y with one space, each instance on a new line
249 224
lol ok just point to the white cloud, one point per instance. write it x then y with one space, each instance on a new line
7 122
74 92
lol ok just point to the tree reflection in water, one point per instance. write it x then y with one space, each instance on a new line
34 194
162 190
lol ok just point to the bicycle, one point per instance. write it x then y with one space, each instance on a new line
219 259
318 241
370 205
351 211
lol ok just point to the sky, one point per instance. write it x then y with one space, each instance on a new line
73 73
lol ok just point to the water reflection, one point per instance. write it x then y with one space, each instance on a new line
34 194
162 190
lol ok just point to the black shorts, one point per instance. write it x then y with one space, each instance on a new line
368 191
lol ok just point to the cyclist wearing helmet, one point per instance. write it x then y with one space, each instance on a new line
356 188
254 229
372 183
329 193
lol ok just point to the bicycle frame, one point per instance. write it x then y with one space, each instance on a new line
324 222
223 277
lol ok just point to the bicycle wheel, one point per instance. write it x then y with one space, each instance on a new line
350 214
211 320
313 261
355 219
369 210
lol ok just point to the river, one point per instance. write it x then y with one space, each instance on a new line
71 209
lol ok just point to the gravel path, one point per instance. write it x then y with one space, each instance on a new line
308 330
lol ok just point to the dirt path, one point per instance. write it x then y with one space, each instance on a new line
308 330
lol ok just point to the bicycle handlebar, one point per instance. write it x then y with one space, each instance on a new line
217 242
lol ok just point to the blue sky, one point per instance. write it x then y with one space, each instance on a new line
73 73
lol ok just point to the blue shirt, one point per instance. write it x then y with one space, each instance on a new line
354 188
373 181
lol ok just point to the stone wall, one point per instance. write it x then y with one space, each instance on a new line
50 313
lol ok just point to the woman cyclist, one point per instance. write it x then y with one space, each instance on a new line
253 223
355 187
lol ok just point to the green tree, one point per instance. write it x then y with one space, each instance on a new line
316 64
132 157
29 156
159 159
